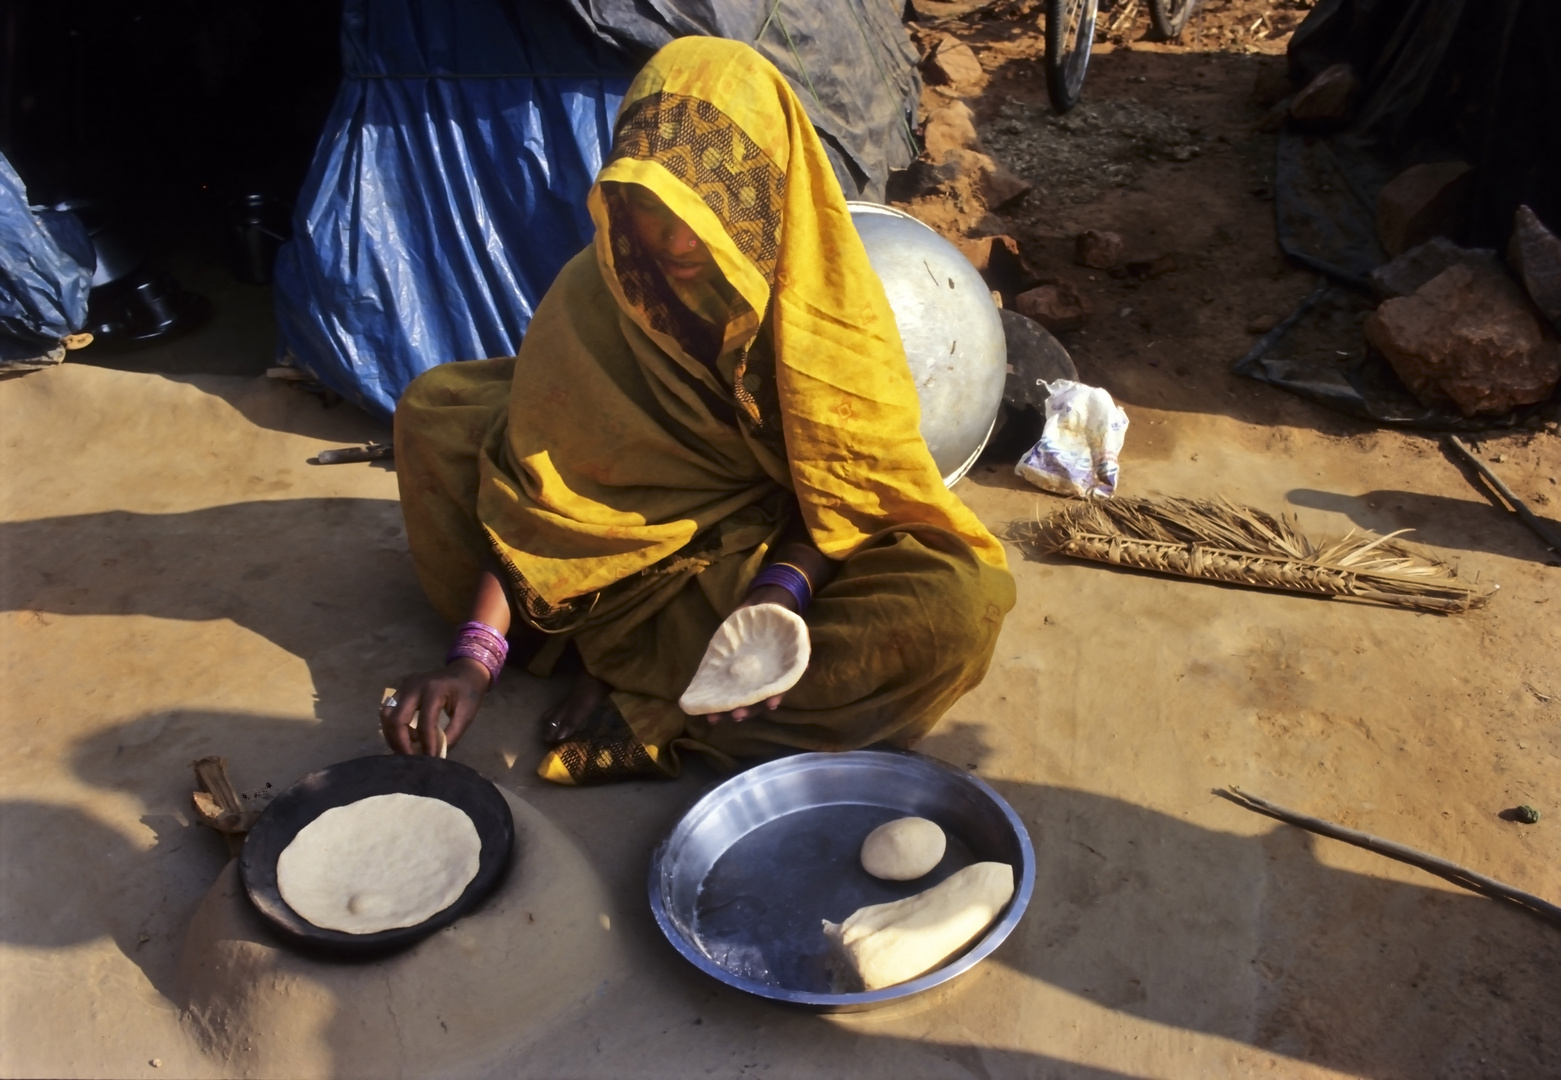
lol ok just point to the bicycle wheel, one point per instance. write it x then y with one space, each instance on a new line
1169 16
1070 31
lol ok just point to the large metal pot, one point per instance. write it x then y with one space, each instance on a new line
953 332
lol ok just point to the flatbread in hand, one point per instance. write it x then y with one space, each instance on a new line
379 863
758 652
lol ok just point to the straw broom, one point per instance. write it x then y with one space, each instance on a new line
1240 545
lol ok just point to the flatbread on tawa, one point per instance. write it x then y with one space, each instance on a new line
758 652
379 863
903 849
885 944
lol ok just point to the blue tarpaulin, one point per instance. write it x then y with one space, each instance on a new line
46 265
449 185
447 191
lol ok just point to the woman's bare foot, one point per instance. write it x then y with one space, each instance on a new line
572 717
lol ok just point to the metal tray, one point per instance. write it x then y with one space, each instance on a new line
742 884
348 782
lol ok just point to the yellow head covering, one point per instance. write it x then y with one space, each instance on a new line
716 132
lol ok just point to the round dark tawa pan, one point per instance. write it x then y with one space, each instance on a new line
361 778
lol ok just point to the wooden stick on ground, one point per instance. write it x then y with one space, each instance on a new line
1458 875
1123 17
1525 515
217 803
371 452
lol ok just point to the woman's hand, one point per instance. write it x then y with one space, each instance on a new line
457 689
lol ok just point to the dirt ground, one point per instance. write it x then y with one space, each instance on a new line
179 581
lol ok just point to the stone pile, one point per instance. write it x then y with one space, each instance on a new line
1453 323
1470 337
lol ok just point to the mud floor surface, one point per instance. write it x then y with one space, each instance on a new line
180 582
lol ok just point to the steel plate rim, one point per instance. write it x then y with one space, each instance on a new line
863 999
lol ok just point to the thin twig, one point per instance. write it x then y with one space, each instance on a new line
1525 515
1458 875
1123 17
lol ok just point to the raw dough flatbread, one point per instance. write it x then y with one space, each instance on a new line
379 863
903 849
885 944
758 652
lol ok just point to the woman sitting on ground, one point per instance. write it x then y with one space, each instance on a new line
714 389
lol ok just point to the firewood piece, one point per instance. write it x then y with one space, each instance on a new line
217 803
371 452
1519 507
1458 875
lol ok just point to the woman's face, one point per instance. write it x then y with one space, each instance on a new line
679 254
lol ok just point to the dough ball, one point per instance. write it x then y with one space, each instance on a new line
903 849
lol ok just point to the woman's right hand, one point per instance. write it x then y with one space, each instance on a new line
456 689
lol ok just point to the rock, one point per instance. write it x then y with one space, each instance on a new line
978 249
1101 250
1057 305
1262 324
952 63
1328 99
990 225
999 262
920 179
1002 187
1535 256
950 128
1468 336
1142 269
1421 202
1405 274
997 186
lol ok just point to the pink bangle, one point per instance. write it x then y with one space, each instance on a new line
482 643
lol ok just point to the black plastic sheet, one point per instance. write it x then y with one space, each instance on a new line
850 61
1476 80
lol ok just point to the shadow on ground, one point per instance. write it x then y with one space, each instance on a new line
1461 524
1247 938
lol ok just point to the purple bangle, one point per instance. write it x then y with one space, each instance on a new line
482 643
788 577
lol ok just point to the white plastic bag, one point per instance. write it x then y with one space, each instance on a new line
1077 454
